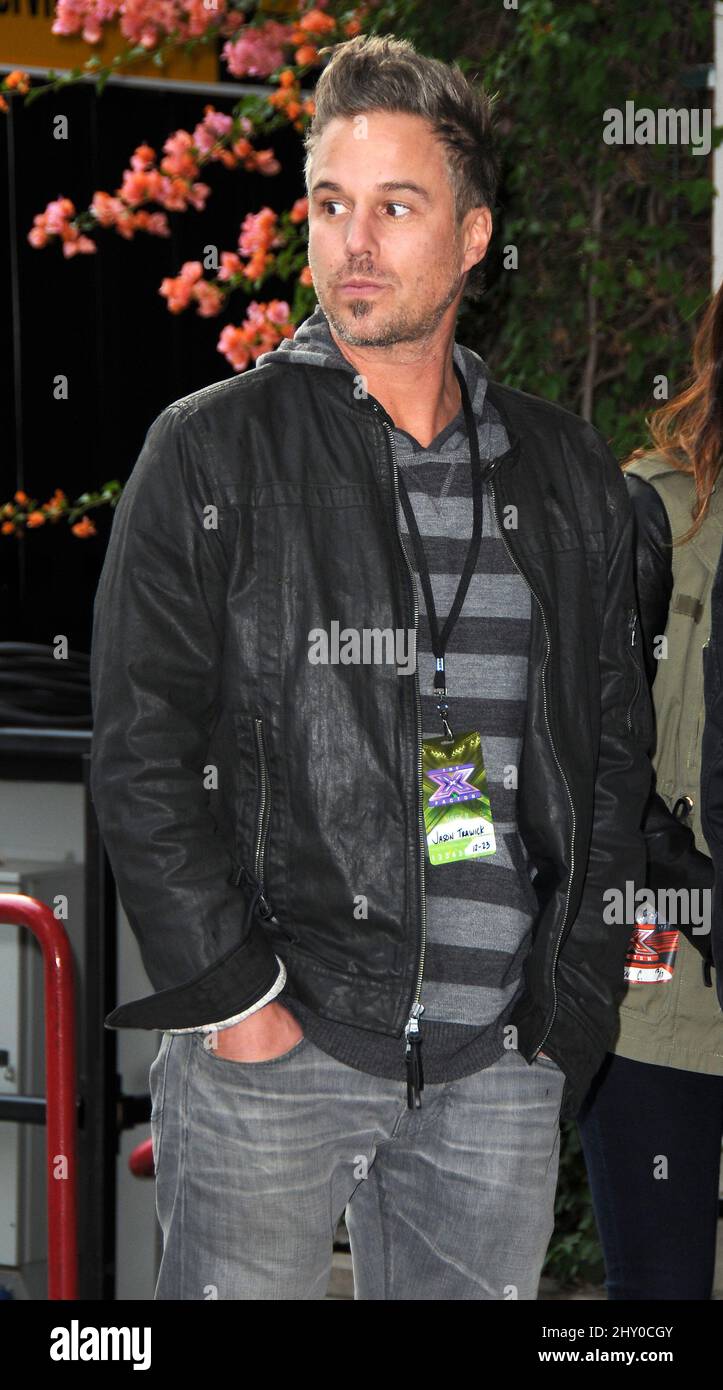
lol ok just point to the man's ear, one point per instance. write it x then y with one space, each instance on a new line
477 235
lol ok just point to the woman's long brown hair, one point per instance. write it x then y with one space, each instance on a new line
688 431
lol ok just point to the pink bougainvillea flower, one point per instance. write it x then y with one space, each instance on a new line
266 162
277 311
141 186
85 17
230 265
78 245
257 230
201 15
257 51
233 345
179 158
209 298
55 221
214 126
155 223
105 208
263 329
57 215
178 290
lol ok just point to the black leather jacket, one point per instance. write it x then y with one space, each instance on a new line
223 760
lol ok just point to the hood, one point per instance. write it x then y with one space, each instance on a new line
313 344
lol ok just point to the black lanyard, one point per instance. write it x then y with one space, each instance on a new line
440 640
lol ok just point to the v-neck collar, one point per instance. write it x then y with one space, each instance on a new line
456 423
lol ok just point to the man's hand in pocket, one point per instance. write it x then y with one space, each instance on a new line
263 1035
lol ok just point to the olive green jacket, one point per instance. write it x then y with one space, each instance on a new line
678 1022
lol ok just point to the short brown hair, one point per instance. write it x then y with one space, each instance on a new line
382 73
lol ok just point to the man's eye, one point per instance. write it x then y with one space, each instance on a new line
333 203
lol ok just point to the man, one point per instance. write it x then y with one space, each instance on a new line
369 897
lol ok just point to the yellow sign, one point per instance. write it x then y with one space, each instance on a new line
26 40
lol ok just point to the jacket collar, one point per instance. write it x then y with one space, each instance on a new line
314 346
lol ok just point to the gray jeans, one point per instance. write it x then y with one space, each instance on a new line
257 1161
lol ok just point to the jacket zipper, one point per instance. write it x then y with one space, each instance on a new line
262 823
632 623
554 750
413 1041
244 875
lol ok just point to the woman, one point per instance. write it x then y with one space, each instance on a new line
652 1123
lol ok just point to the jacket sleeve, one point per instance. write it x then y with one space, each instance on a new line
156 662
589 973
245 1013
673 861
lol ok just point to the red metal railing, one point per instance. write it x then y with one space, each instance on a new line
140 1160
20 910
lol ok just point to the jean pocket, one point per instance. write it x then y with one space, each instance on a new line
210 1055
157 1087
157 1074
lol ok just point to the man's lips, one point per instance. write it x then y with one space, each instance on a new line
361 285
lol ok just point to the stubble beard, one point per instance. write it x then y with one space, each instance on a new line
403 324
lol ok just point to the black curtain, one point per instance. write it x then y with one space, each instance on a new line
99 321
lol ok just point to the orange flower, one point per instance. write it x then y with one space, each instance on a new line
305 277
18 79
7 528
352 27
300 210
21 497
36 518
228 159
287 78
84 528
55 506
3 104
143 157
306 54
315 22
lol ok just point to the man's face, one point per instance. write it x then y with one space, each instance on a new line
403 239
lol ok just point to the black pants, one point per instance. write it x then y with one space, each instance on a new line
658 1233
